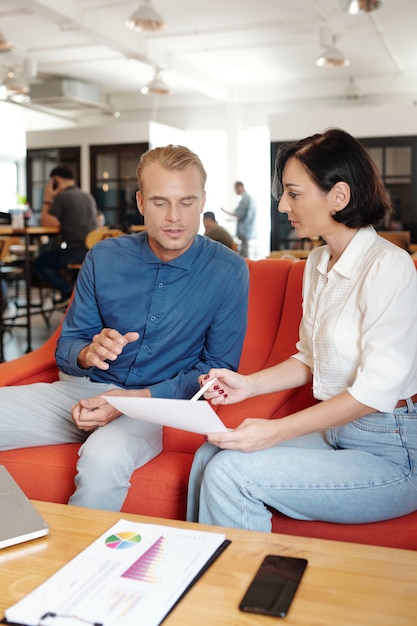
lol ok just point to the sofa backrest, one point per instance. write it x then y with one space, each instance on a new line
282 344
288 330
267 288
273 323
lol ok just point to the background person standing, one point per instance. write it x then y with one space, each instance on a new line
73 211
246 218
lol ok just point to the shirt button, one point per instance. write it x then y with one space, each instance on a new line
153 318
145 348
160 284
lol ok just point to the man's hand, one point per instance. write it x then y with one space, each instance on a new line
92 413
49 192
106 346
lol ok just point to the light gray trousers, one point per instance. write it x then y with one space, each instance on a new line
40 415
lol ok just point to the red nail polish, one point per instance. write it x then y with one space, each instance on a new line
216 387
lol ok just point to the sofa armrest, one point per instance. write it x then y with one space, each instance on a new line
36 366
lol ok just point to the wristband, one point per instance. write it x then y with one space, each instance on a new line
47 202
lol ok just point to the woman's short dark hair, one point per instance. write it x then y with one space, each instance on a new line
336 156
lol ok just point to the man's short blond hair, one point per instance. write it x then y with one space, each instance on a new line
171 158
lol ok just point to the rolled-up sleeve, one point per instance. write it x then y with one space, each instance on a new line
387 370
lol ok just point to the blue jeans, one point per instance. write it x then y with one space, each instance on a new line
365 471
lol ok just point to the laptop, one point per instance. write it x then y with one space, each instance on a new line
19 520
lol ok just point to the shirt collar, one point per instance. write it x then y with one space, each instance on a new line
353 253
184 261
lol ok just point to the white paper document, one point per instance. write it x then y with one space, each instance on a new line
197 417
132 575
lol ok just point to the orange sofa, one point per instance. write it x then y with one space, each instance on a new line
159 488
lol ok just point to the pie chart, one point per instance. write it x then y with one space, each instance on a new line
121 541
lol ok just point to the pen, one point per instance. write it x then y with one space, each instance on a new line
204 388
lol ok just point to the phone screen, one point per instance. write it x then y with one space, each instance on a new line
273 586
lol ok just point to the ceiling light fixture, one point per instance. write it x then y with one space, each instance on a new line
331 55
156 87
5 45
15 85
145 18
354 7
352 91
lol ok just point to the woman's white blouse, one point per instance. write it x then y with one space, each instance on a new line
359 326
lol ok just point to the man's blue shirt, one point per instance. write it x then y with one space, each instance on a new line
190 313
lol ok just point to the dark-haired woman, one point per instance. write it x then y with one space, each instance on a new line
352 457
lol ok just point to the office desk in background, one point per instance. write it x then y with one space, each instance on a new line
29 235
135 228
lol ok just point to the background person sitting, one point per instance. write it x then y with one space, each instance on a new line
72 210
215 231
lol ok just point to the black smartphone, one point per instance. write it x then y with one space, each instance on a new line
54 184
273 586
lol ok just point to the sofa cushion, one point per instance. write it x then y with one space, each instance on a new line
400 532
159 488
175 440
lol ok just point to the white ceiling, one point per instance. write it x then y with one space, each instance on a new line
216 51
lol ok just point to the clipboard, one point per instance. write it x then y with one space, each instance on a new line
186 553
214 557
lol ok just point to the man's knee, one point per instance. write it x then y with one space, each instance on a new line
102 454
113 449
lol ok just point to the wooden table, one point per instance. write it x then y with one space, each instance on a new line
345 584
136 228
28 234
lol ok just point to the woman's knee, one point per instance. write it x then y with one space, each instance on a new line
220 470
204 454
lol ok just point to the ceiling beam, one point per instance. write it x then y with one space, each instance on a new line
130 44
